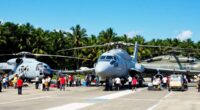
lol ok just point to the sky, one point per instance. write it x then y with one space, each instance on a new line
159 19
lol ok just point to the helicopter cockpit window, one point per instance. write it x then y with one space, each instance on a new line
45 66
39 66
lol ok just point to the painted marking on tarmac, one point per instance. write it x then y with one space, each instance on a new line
118 94
24 100
168 95
154 106
75 106
72 106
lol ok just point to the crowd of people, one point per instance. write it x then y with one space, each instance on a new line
46 82
133 83
64 81
17 83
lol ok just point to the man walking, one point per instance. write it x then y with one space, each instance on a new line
130 81
134 83
19 86
62 83
37 82
118 83
0 83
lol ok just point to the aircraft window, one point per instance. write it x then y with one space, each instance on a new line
115 58
103 57
109 57
38 67
112 62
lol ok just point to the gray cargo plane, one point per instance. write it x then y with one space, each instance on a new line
118 63
114 63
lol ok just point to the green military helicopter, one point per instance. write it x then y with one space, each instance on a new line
172 63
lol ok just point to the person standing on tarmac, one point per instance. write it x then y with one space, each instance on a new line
36 82
198 83
0 83
129 82
110 84
49 82
15 81
134 83
118 83
164 80
62 83
19 85
107 84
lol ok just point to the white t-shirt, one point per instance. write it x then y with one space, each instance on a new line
43 81
165 80
117 80
48 79
129 79
4 80
37 79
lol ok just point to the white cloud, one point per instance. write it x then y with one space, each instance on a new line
184 35
133 33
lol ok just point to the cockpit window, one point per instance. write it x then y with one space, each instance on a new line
45 66
115 58
41 66
102 57
38 67
109 58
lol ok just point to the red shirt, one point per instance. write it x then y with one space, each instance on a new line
134 81
19 83
71 78
62 80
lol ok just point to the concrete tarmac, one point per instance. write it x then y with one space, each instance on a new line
94 98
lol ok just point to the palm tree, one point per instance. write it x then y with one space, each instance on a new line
77 36
25 33
39 41
106 36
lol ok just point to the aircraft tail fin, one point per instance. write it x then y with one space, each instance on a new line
135 54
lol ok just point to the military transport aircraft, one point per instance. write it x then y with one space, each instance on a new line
118 63
115 62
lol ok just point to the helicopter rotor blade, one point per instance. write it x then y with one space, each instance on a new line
174 48
84 47
61 56
93 46
7 54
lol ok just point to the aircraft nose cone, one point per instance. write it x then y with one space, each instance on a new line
102 69
47 72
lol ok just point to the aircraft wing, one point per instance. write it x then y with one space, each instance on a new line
137 68
169 71
80 71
